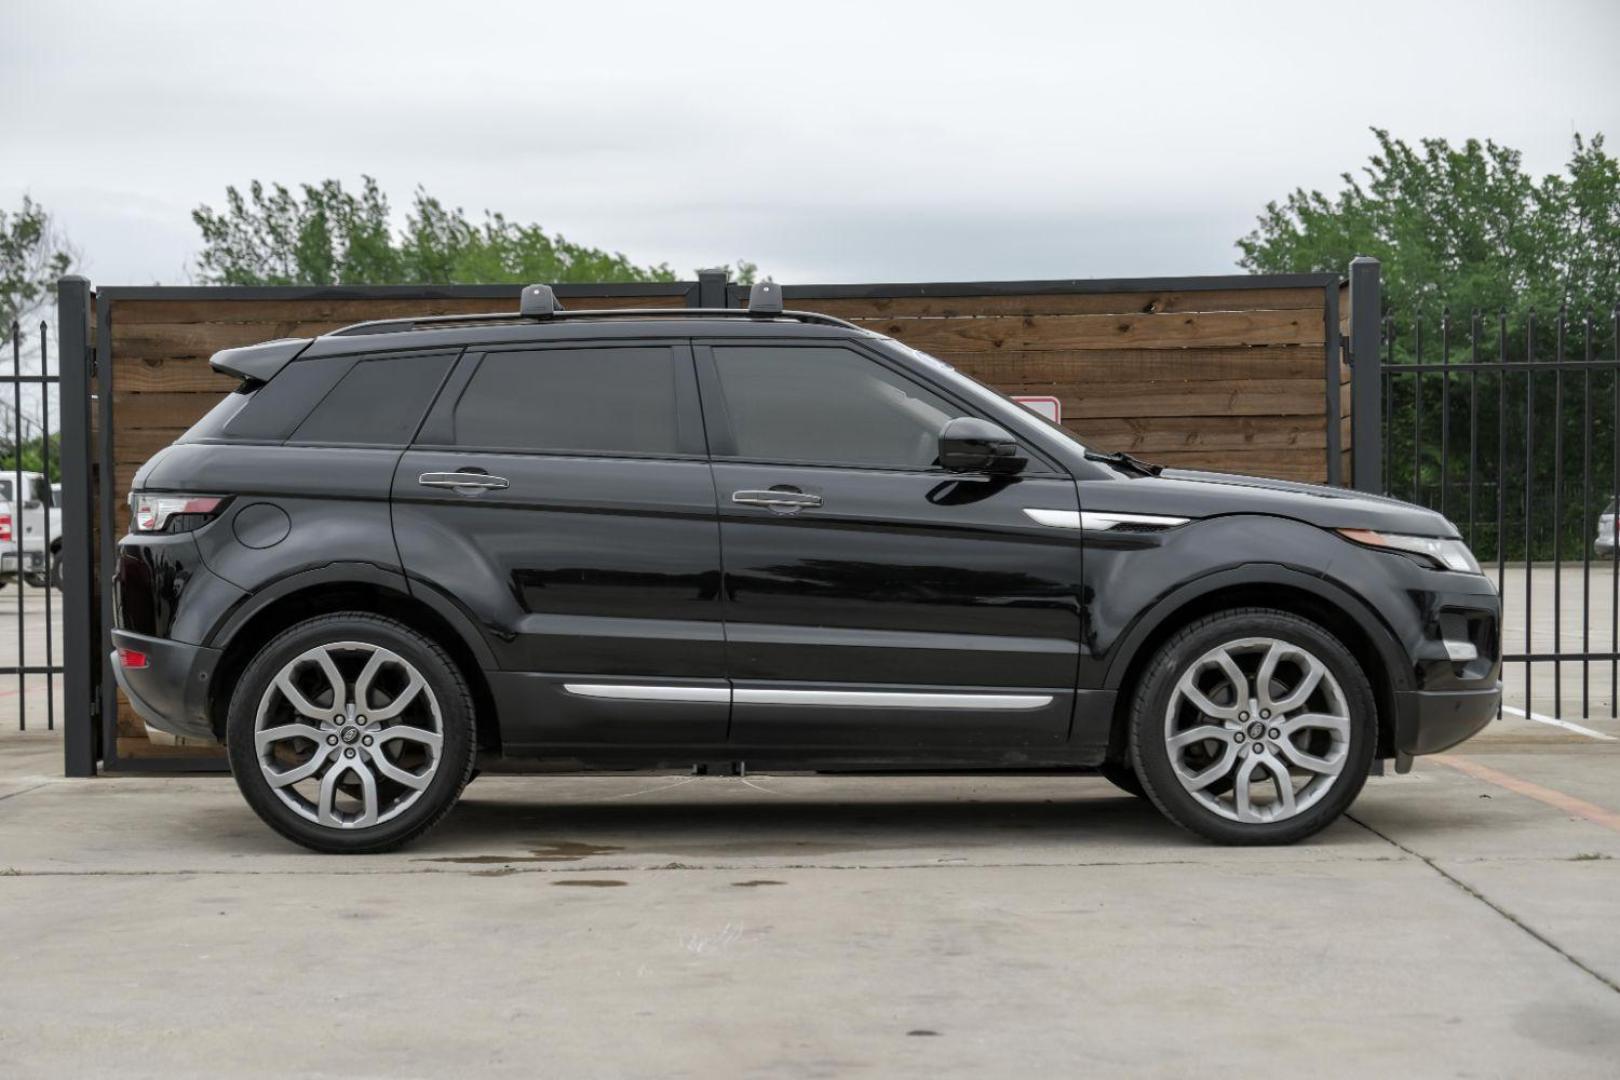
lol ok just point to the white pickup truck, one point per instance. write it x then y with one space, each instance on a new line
35 530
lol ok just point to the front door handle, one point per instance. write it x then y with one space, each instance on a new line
465 482
777 500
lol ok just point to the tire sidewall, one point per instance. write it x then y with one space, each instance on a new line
1151 755
455 711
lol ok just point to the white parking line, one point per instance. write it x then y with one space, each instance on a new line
1555 722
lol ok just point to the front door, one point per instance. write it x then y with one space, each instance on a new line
561 497
872 599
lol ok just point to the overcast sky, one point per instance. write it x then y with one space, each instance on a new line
824 141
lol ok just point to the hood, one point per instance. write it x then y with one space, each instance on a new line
1189 493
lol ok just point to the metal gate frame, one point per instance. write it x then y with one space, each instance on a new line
85 326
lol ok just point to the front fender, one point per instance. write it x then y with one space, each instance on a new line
1137 582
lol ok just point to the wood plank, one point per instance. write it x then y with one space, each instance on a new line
343 311
135 446
1154 435
1004 369
1309 466
169 341
173 374
1068 303
159 410
1215 329
1213 397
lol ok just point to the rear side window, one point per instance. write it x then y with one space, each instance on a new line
379 402
613 401
270 412
828 406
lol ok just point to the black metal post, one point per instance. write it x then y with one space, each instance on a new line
81 658
711 290
1366 380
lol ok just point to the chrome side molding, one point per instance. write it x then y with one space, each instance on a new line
869 699
890 699
632 692
1098 520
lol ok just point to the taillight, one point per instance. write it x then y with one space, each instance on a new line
157 513
5 526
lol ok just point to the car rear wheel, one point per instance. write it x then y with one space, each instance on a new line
351 733
1253 727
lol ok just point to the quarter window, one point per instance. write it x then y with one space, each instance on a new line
379 402
614 401
828 405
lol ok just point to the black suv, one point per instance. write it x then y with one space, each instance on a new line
705 539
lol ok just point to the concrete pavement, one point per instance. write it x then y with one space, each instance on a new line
812 926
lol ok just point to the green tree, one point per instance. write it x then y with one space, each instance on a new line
33 254
1478 253
1464 226
324 234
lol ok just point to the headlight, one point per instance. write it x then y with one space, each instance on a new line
1440 554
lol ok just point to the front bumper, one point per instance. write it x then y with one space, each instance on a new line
171 692
1429 721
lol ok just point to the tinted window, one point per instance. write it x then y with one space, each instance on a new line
379 401
273 410
572 400
828 405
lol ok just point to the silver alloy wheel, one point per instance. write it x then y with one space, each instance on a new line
1257 716
348 735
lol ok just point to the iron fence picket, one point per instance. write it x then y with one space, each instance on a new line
1535 418
19 667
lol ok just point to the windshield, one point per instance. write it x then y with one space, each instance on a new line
968 383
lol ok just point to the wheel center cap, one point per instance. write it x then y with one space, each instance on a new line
1256 730
350 734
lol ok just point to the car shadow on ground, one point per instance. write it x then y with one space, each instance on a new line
486 829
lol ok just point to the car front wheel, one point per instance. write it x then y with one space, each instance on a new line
1253 726
351 733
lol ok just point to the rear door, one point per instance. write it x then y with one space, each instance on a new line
873 599
560 494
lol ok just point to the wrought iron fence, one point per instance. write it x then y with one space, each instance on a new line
1509 424
30 530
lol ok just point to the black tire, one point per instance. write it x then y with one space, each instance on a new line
1122 776
56 570
441 675
36 581
1151 754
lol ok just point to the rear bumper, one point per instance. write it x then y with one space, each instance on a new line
33 562
1429 721
171 692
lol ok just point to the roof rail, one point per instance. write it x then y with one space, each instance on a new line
537 303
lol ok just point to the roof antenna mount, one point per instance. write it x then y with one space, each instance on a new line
538 302
765 299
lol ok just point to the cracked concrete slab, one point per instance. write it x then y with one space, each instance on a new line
811 926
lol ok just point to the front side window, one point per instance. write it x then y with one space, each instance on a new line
583 401
828 405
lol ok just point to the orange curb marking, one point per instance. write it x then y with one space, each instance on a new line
1569 804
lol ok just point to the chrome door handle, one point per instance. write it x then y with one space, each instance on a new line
463 480
776 500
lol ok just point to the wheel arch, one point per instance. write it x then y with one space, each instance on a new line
1337 610
350 587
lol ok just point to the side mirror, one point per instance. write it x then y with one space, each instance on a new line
968 444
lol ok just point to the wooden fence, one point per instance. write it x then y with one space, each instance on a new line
1229 373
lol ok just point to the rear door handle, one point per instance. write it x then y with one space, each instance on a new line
463 481
777 500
